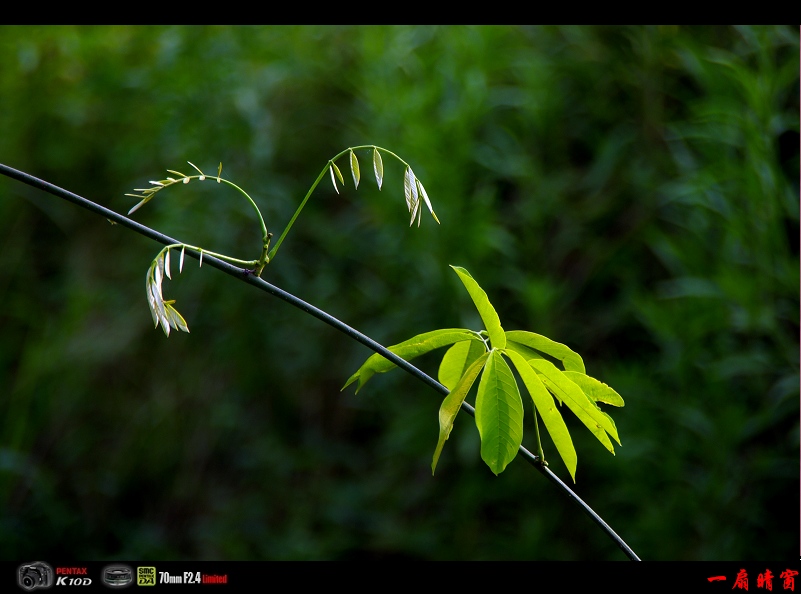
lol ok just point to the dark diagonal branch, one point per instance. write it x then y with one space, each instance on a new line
248 277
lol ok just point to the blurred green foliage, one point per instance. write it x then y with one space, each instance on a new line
629 191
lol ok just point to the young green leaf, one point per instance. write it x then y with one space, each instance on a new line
416 212
378 167
167 265
181 262
573 396
408 350
570 359
424 194
176 320
339 174
488 314
543 402
595 389
453 402
159 276
219 171
151 298
457 360
354 169
160 310
333 181
410 190
499 413
141 204
196 167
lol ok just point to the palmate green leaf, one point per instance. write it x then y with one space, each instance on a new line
453 403
488 314
499 413
522 350
595 389
576 400
408 350
457 360
571 360
551 417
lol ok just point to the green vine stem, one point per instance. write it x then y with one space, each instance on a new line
414 191
164 312
247 277
331 167
147 194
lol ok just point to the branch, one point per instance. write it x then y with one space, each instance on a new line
247 276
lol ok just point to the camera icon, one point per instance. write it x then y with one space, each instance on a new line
32 576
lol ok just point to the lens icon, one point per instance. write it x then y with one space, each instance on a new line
117 576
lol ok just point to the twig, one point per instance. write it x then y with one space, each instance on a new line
246 276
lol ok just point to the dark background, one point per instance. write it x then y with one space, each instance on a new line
629 191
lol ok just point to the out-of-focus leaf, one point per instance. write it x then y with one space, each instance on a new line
499 413
457 360
570 359
488 314
453 402
551 417
408 350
